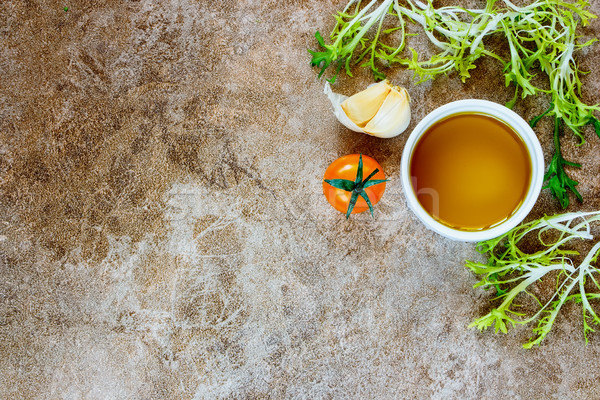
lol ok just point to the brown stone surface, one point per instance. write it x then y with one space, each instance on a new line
163 234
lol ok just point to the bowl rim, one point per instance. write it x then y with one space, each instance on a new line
521 128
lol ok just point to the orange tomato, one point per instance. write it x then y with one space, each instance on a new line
346 168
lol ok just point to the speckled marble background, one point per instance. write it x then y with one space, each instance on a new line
163 234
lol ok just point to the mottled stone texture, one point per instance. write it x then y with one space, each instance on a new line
163 234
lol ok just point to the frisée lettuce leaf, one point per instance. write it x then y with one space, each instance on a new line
513 271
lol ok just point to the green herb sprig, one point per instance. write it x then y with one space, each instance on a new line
556 177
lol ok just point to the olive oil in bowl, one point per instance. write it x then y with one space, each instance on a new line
470 171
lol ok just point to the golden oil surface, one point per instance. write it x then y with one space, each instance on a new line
470 171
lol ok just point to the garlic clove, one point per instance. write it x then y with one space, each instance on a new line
362 106
393 116
396 126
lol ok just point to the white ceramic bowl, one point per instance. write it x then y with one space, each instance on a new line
520 126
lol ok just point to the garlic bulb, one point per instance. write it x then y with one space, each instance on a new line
381 110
